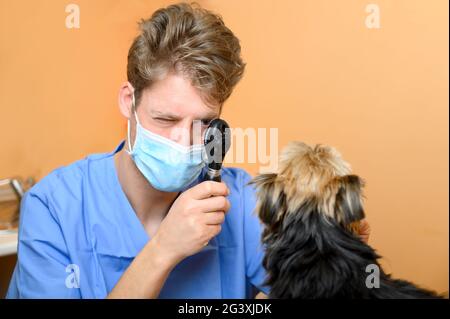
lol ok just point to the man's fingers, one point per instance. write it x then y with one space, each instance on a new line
213 204
214 229
215 218
207 189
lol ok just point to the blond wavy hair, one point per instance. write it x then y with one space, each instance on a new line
188 40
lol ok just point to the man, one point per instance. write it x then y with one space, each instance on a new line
135 223
114 225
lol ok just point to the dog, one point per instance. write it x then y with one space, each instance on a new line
311 210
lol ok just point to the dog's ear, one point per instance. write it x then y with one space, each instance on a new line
343 200
270 199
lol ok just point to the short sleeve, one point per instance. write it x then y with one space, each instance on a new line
43 269
254 252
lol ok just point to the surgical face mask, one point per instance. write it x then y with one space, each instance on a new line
167 165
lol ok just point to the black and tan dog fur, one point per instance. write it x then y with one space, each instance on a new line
311 209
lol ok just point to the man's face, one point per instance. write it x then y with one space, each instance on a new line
174 109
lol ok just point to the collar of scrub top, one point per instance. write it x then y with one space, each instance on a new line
133 251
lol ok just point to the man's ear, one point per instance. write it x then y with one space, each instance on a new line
126 99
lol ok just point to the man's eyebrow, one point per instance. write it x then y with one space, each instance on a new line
210 116
165 115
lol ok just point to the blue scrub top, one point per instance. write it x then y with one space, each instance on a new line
78 223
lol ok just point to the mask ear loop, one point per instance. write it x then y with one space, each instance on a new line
133 110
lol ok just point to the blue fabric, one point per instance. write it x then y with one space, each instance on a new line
79 215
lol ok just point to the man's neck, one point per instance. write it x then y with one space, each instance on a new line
149 204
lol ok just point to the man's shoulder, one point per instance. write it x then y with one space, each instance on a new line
68 177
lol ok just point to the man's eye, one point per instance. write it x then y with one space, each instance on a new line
164 120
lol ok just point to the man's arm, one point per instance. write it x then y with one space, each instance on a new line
146 275
194 218
42 257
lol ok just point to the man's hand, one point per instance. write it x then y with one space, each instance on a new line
194 218
364 230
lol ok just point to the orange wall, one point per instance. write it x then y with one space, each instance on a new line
314 71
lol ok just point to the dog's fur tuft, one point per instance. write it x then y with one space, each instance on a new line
311 210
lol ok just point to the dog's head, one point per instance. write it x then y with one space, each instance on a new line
313 177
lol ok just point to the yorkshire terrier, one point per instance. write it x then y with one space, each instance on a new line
311 211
